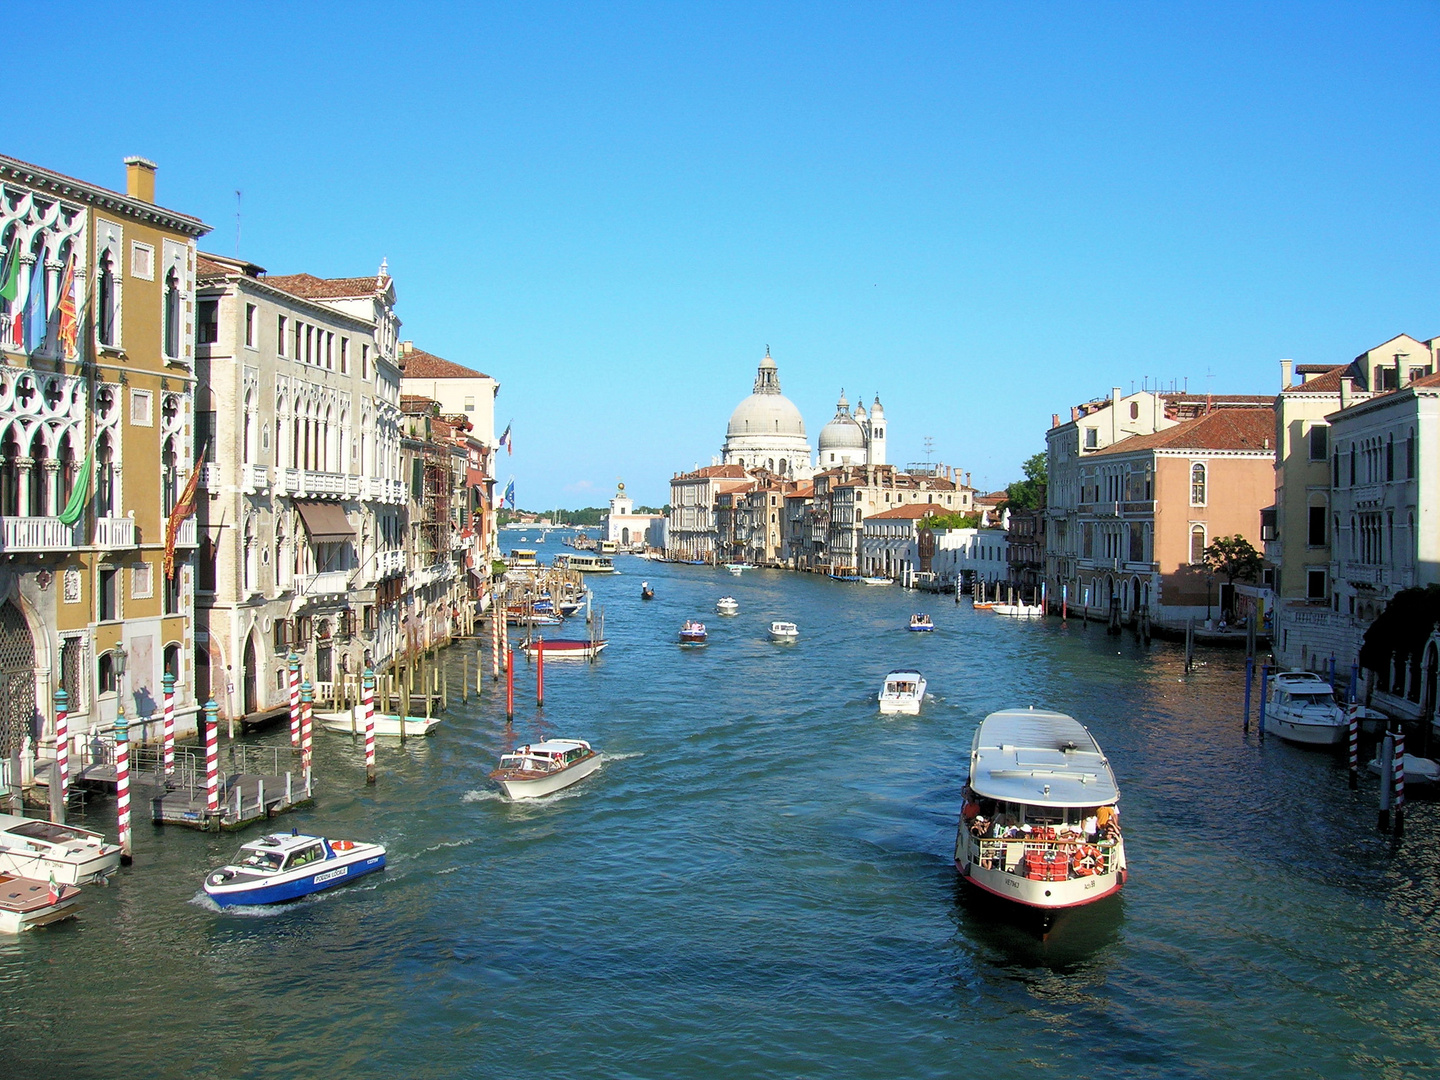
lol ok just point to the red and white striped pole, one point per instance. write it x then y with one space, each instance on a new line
167 681
1354 717
1399 782
294 702
212 761
509 683
307 701
61 777
122 785
540 672
367 693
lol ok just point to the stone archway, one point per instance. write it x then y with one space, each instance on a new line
17 679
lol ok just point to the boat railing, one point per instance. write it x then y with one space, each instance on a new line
1046 860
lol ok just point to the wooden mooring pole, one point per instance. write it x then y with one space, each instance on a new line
1249 679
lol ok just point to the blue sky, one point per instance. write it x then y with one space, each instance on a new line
985 213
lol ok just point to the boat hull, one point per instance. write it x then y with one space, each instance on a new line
519 787
1304 734
566 650
71 861
315 877
385 723
1034 890
899 707
25 904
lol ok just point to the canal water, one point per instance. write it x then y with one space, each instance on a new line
759 882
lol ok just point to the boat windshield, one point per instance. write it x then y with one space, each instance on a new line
259 860
1313 699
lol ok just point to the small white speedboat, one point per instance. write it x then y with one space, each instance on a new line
26 903
727 605
1418 770
1018 611
920 623
736 571
1301 708
902 693
385 723
287 866
784 631
33 848
878 581
545 767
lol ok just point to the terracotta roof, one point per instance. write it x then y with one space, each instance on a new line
416 403
726 487
1219 429
204 268
1328 383
1427 380
913 511
419 364
310 287
805 489
735 471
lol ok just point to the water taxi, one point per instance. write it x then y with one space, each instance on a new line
780 630
586 563
385 723
1017 611
920 623
522 559
287 866
545 767
693 633
26 903
34 848
727 605
1040 825
1301 708
902 693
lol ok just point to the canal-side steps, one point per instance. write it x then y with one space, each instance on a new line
252 786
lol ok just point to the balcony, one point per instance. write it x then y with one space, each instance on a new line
311 484
37 534
327 584
115 534
386 491
185 535
254 479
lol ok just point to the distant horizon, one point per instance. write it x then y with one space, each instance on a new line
984 214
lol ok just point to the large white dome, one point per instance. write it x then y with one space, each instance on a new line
766 429
766 414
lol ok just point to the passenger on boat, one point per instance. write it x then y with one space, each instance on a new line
1090 826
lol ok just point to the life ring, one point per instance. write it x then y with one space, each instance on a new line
1085 861
342 845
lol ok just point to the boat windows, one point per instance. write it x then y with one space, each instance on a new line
259 860
308 854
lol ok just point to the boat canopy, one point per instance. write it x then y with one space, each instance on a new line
554 746
903 675
1041 758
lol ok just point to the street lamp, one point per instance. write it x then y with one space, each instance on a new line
1209 582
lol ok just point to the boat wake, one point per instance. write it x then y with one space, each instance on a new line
483 795
623 757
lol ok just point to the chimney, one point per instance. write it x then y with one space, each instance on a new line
1074 413
406 348
140 179
1347 388
1287 374
1054 419
1115 414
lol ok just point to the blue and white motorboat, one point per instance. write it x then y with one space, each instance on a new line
287 866
920 623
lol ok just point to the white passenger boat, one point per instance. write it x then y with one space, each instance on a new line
727 605
287 866
1040 825
385 723
1301 708
903 692
26 903
586 564
34 848
545 767
784 631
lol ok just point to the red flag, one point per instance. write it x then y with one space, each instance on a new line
69 331
183 509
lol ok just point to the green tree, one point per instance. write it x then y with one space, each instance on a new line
1233 557
951 521
1029 494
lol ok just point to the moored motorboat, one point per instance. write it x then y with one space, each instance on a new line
693 633
33 848
780 630
545 767
26 903
875 580
516 615
1040 825
385 723
921 623
564 648
983 605
1419 771
1300 707
287 866
1019 611
902 693
727 605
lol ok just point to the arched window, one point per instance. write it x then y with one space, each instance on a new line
172 313
105 301
108 683
172 660
249 443
1197 484
10 475
1197 544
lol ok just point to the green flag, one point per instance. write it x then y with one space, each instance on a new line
10 271
80 495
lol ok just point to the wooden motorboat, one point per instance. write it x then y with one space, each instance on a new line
902 692
921 623
1040 826
727 605
784 631
385 723
1021 611
26 903
693 633
34 848
545 767
565 648
287 866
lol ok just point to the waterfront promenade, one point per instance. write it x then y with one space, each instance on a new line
759 882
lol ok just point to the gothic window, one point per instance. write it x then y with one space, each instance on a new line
172 313
105 304
105 500
1197 485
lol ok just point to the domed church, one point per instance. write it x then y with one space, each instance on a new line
767 432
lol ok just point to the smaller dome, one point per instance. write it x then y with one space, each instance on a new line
842 432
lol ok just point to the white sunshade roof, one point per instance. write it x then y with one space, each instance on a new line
1040 757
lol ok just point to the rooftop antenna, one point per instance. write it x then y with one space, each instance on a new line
929 446
237 223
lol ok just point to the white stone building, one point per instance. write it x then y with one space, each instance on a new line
766 430
625 527
971 555
303 529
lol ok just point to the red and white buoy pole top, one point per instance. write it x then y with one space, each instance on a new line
167 682
122 785
367 695
212 761
62 746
